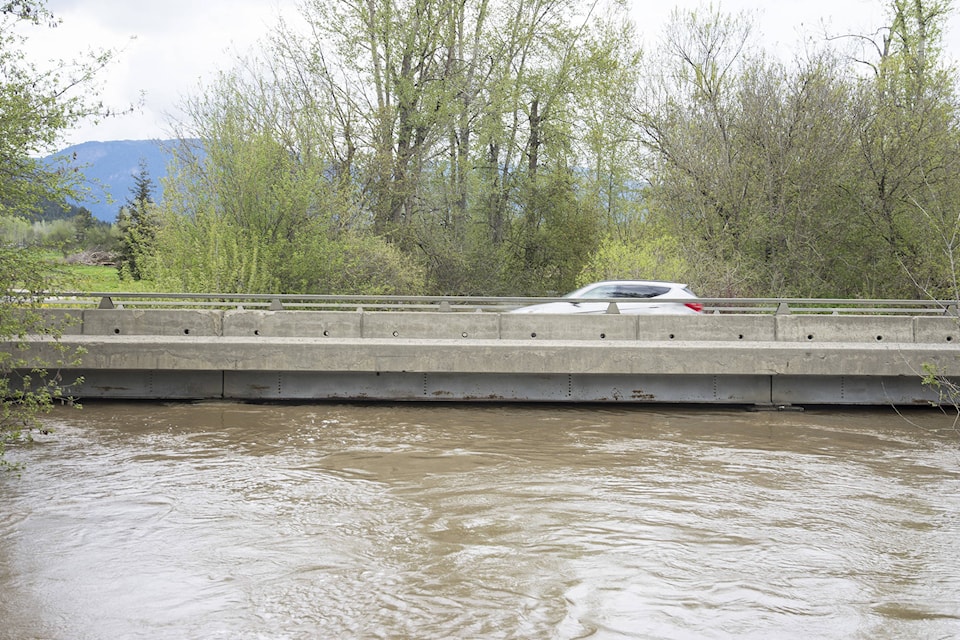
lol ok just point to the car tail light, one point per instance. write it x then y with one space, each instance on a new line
696 306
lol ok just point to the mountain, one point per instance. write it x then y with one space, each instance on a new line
110 168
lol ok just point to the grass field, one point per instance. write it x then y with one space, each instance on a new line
83 278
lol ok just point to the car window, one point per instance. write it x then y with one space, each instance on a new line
638 291
621 291
606 291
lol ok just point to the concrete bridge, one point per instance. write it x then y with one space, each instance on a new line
742 358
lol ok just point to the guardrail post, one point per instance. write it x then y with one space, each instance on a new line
444 305
106 302
783 309
613 308
276 305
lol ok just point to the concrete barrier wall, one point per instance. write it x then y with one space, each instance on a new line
861 329
63 321
133 353
152 322
430 325
707 327
497 387
492 326
561 327
292 324
936 330
528 357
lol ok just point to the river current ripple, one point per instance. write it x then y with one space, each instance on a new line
221 520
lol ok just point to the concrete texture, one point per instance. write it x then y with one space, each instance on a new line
260 354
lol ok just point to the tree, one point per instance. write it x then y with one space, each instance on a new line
755 163
36 106
138 223
84 224
442 121
791 179
909 137
648 253
256 209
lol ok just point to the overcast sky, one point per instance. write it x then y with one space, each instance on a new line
168 47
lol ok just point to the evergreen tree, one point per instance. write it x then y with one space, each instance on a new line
138 222
84 223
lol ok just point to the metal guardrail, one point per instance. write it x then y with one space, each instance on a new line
829 306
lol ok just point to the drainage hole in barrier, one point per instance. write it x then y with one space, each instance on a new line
879 338
533 335
603 336
463 335
810 336
740 337
116 330
672 336
326 333
256 332
186 332
949 338
396 333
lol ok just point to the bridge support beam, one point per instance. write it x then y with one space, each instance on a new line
491 387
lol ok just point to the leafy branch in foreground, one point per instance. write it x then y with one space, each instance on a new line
28 388
948 393
37 105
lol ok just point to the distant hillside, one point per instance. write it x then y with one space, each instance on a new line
110 167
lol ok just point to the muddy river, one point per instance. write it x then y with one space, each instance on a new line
222 520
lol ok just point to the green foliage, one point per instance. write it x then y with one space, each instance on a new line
907 118
64 235
555 237
653 256
28 389
437 121
366 265
254 212
496 146
138 224
808 179
36 105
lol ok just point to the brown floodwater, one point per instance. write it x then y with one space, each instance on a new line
222 520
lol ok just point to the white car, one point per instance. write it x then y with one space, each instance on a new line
631 296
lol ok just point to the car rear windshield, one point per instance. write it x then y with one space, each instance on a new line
628 291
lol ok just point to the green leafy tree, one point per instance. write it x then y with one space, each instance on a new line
808 179
908 125
754 163
28 389
36 106
649 254
444 120
61 236
256 209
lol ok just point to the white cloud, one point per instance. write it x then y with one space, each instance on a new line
166 49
